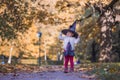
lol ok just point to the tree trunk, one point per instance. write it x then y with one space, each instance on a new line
93 58
107 22
10 56
45 50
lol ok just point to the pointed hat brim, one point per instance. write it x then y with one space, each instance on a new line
64 31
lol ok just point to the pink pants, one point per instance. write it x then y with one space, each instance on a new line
66 61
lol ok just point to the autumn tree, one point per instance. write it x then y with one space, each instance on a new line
15 20
107 21
108 17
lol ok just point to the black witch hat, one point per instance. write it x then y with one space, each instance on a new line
72 29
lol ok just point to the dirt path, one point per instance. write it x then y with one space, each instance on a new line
51 75
43 73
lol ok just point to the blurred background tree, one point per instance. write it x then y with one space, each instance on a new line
20 20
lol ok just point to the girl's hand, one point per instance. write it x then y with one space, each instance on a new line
61 33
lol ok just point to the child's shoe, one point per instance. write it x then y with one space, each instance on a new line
65 70
72 70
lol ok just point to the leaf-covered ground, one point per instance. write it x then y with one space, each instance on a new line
26 72
105 71
95 71
56 75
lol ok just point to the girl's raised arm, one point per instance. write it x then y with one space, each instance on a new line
77 40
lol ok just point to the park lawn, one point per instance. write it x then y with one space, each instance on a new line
103 71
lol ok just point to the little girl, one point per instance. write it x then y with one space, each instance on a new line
70 39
